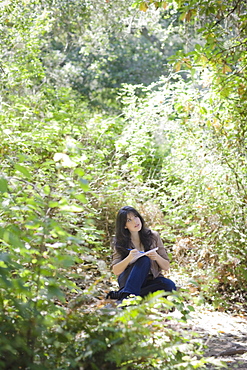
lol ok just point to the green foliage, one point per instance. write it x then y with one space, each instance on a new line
176 150
198 180
138 336
38 252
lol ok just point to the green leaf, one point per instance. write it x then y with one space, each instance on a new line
81 198
3 264
79 171
83 184
3 185
47 189
23 170
11 238
53 204
4 257
54 291
71 208
191 308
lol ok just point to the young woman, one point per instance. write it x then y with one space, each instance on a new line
138 273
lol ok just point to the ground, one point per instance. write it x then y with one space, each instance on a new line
224 334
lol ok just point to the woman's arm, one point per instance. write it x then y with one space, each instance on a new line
163 263
119 267
161 256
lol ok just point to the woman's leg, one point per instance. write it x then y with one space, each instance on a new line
159 283
132 279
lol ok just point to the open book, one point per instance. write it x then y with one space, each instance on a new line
141 254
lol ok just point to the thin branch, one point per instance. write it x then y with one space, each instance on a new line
228 49
227 15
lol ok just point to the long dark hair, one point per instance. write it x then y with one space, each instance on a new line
122 239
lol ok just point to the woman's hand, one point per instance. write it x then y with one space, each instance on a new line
134 253
153 255
121 266
163 264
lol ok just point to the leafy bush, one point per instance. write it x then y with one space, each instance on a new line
138 336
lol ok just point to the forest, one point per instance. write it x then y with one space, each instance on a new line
105 104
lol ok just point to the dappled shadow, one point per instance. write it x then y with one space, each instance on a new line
224 335
229 348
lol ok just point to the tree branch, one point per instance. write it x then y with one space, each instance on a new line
227 15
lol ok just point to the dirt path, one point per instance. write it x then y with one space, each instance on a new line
225 336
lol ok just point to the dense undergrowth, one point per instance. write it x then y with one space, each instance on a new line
78 141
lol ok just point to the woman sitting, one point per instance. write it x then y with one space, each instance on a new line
139 257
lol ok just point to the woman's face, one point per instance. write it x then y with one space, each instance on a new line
133 223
